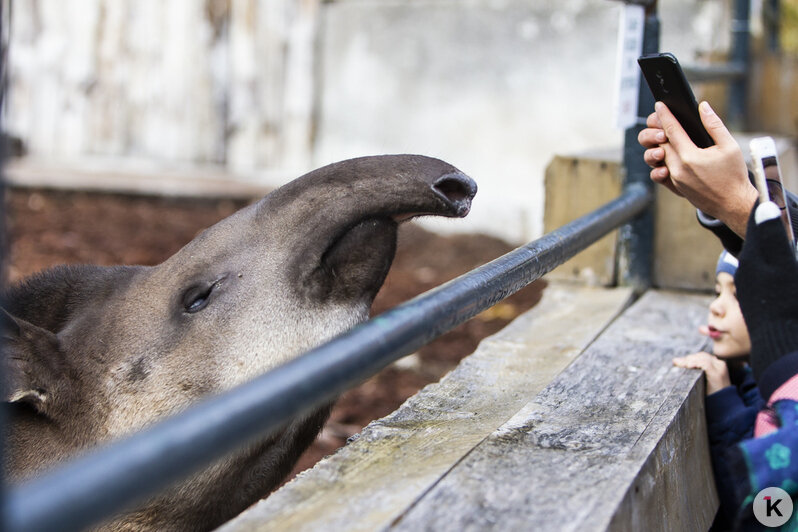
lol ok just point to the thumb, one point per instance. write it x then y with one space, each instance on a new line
714 125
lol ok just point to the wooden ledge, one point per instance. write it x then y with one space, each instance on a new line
554 423
375 479
129 177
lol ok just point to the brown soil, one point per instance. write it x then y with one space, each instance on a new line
50 227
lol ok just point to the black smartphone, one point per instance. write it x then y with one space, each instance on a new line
669 85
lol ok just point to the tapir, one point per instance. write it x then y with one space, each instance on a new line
95 353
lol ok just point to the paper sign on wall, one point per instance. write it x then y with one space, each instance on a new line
627 79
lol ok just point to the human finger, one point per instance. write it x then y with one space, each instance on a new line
700 360
652 121
651 137
654 156
715 126
674 131
661 176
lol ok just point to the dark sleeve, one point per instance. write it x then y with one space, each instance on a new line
729 419
729 239
743 379
729 422
777 373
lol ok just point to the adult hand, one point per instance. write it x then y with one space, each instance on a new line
651 138
715 369
714 179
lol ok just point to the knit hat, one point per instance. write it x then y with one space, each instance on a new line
726 263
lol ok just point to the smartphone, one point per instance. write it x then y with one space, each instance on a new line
767 178
668 84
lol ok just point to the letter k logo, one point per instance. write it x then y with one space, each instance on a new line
773 506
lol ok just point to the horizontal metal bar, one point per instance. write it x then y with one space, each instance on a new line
92 488
645 3
719 72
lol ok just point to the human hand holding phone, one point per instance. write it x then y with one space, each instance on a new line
668 84
714 179
690 150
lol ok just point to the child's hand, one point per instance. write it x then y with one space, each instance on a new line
715 369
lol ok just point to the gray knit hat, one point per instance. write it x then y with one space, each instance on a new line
726 263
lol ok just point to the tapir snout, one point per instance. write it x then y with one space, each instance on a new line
98 352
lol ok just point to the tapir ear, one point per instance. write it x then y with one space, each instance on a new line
31 360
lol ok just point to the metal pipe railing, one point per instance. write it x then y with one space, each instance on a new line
90 489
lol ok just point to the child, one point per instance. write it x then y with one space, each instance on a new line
733 400
726 327
767 281
753 452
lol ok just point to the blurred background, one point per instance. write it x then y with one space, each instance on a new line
261 91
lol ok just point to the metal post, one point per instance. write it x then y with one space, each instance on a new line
771 18
740 52
636 242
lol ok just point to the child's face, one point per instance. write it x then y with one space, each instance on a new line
726 326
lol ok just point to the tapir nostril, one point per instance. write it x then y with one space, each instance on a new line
458 190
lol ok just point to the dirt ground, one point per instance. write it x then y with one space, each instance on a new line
55 227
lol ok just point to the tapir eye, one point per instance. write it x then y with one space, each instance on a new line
197 297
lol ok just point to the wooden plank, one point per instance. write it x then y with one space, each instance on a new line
575 186
686 252
206 181
374 480
616 441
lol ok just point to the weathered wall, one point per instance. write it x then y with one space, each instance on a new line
496 87
269 89
183 81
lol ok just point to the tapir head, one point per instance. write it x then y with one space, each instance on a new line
116 348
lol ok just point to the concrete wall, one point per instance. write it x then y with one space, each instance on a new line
267 90
496 87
